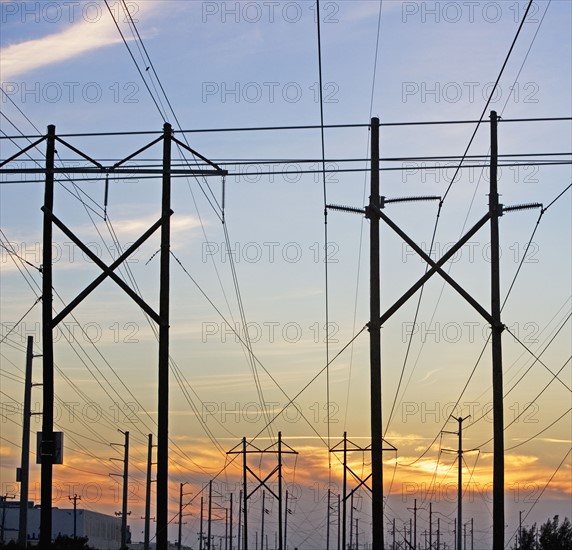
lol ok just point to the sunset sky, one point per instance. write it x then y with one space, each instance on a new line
226 65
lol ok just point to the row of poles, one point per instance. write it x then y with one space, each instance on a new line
374 212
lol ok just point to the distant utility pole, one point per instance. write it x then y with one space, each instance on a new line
125 477
459 453
75 498
148 493
24 473
181 485
275 448
414 510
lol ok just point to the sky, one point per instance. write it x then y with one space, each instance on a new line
224 65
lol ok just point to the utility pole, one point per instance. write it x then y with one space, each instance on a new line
230 524
438 533
125 477
147 536
414 510
328 523
472 534
339 526
238 539
163 377
181 485
464 536
351 520
210 514
276 448
263 512
47 447
495 211
287 511
373 212
25 461
430 526
201 534
75 498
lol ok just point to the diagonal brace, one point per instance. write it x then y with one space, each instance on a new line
108 271
429 273
361 482
263 482
443 274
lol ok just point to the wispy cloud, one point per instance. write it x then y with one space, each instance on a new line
74 41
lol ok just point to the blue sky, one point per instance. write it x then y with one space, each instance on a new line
65 64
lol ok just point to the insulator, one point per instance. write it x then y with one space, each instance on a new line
352 209
522 206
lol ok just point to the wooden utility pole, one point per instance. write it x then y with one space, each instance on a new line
163 378
375 346
495 211
147 537
25 461
125 477
47 447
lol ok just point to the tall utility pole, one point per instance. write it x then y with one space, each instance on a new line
495 211
47 447
25 463
75 498
147 537
125 477
163 377
286 512
375 347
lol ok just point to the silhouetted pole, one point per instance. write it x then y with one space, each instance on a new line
262 527
351 521
230 524
328 522
339 526
375 347
75 498
238 539
47 447
180 513
280 490
244 494
125 486
201 535
209 521
430 525
344 487
286 523
496 337
25 462
163 378
148 493
460 482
